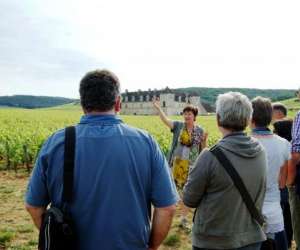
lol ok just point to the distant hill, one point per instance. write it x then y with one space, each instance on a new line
74 106
31 102
209 95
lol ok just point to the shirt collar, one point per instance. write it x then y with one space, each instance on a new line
261 131
236 133
103 119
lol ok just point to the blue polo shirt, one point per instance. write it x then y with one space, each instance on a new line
119 172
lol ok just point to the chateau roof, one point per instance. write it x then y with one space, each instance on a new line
156 92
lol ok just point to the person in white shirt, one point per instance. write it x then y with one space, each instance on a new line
278 154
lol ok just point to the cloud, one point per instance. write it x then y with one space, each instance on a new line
35 57
46 46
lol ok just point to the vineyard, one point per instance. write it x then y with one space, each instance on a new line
23 132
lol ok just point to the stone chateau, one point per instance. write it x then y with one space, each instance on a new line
172 103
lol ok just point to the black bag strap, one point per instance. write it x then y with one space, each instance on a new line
69 156
239 184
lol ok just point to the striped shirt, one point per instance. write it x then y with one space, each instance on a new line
296 134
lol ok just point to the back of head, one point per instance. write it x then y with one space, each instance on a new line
233 110
262 111
99 90
284 129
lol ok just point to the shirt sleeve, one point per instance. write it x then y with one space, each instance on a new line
197 181
176 126
288 150
163 190
37 191
296 135
201 133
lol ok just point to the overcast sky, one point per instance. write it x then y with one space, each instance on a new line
47 46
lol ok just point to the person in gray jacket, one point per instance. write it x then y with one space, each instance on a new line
222 220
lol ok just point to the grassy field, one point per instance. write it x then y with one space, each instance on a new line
292 104
16 229
22 132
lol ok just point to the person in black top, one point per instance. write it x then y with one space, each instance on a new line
283 128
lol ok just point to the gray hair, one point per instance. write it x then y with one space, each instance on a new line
234 111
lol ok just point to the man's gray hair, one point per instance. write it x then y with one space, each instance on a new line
234 111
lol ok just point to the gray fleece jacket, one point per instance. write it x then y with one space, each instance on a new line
222 220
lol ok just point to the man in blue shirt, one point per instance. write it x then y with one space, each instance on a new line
119 173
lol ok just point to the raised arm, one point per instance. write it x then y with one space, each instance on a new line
161 113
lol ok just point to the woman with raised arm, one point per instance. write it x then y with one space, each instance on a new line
188 141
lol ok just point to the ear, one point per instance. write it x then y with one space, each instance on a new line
84 110
252 124
118 104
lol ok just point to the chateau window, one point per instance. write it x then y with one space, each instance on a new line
183 99
164 104
176 98
144 98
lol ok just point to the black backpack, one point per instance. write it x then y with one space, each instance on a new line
57 230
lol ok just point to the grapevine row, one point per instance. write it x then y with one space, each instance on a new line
23 132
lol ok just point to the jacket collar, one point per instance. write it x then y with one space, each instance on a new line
103 119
